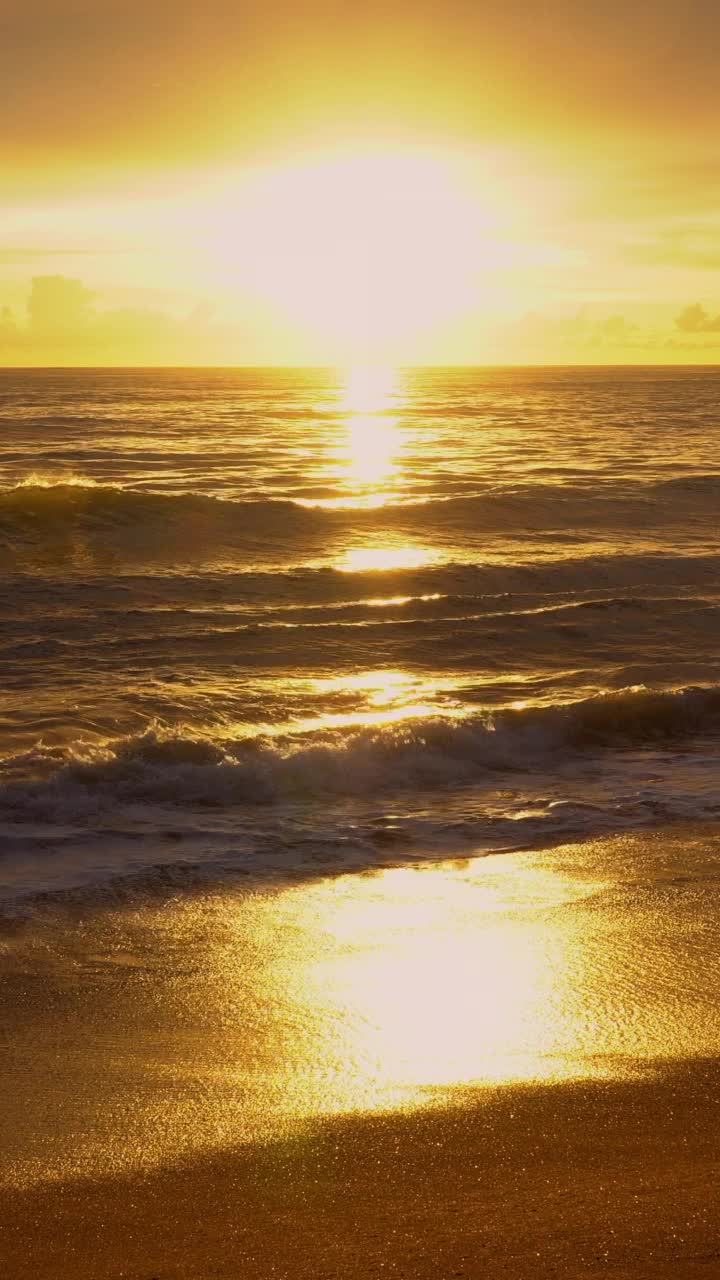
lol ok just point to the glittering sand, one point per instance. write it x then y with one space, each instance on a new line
503 1067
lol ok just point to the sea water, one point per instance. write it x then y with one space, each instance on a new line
291 622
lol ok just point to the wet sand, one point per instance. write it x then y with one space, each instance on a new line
592 1179
501 1068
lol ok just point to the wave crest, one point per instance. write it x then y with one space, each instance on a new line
185 770
40 508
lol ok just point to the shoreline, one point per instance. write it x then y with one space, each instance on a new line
507 1066
158 879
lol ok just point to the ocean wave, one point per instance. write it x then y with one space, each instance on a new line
433 751
697 484
37 509
38 504
662 581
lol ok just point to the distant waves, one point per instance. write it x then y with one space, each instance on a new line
89 523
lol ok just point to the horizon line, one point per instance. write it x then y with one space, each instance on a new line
353 364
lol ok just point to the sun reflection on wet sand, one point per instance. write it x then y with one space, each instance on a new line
353 994
234 1017
386 988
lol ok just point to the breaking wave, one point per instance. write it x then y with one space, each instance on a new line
423 752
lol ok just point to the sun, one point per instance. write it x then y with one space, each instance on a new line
369 253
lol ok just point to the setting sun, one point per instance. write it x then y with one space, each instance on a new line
372 252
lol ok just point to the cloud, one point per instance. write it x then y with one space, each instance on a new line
65 325
696 319
8 327
615 331
575 332
58 306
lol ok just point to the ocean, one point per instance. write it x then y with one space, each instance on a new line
287 623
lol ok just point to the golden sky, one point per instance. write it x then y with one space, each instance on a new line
312 181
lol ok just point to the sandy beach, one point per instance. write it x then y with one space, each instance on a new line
569 1181
505 1066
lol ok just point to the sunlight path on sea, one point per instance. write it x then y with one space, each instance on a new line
364 465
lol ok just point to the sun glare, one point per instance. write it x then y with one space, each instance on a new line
362 559
369 389
368 252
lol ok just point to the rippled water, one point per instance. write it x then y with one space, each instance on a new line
284 620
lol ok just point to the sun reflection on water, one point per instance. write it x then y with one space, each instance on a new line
381 686
365 466
368 457
364 559
369 453
365 459
386 697
369 389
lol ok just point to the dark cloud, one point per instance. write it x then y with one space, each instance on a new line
691 350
